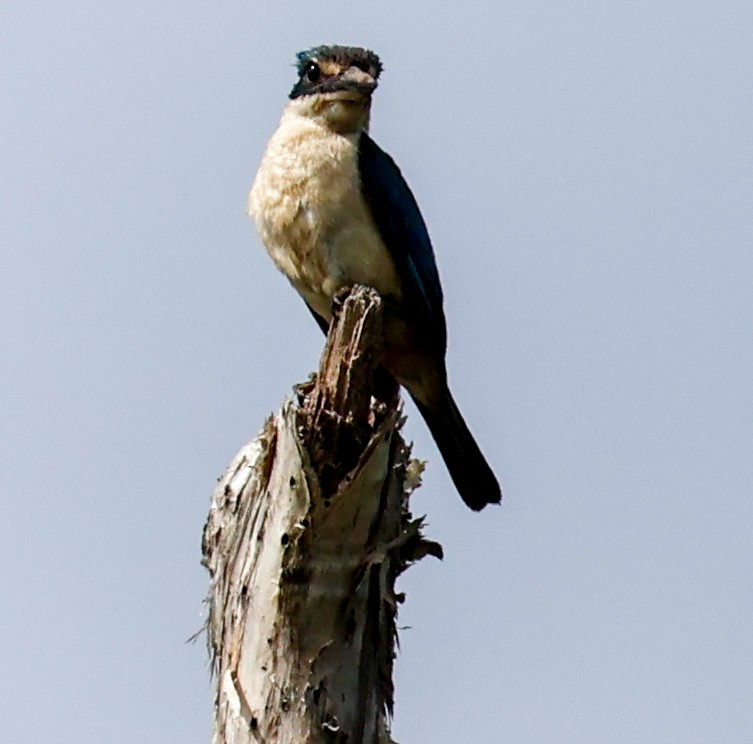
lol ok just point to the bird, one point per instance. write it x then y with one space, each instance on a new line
333 210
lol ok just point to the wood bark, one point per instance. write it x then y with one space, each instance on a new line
308 530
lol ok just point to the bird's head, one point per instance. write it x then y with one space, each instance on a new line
335 85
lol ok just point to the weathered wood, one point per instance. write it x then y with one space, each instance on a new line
335 413
308 530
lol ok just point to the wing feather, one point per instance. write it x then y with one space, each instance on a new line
403 231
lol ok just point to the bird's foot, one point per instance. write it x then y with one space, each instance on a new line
338 300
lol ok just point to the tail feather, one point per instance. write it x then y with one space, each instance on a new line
474 479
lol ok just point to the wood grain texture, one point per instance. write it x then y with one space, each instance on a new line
307 532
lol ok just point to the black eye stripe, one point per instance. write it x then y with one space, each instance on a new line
313 80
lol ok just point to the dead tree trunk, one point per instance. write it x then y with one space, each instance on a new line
309 528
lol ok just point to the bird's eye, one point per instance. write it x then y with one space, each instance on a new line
312 72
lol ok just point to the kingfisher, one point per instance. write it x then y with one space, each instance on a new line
333 210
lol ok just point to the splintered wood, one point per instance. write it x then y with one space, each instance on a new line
308 530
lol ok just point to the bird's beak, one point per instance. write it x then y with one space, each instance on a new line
359 80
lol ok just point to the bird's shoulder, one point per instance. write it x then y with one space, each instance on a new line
402 227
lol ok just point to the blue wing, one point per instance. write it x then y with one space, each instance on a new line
404 232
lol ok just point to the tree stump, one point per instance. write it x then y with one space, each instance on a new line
308 530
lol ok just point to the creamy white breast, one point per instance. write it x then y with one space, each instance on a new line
307 204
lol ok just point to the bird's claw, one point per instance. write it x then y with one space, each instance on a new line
338 300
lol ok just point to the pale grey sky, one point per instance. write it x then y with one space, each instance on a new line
586 172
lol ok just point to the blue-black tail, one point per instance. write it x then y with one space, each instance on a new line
474 479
